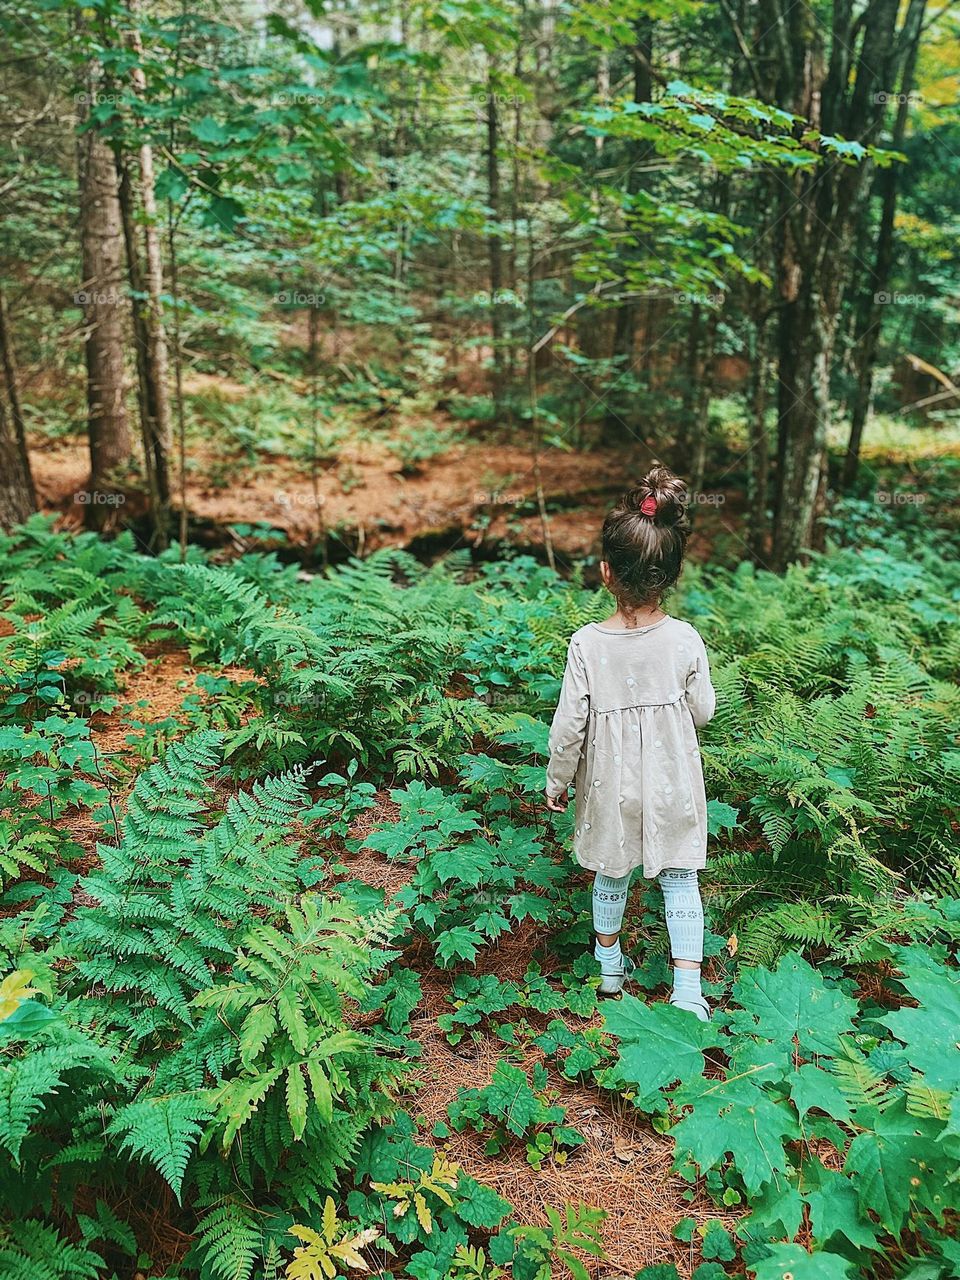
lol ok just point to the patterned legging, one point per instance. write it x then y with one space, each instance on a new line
681 903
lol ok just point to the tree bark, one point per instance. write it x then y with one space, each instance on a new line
18 499
758 444
101 243
137 196
868 316
842 95
494 243
625 325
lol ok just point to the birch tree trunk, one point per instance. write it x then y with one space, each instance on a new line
104 303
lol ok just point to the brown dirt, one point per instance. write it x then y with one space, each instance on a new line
474 494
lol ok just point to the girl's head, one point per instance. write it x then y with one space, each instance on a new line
644 538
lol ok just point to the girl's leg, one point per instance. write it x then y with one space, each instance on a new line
684 915
609 903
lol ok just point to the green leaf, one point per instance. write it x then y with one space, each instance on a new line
790 1001
811 1087
931 1032
835 1210
479 1205
296 1100
658 1042
718 1243
738 1118
792 1262
164 1132
209 130
458 943
721 817
895 1162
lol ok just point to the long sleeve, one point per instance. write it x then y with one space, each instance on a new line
701 695
569 727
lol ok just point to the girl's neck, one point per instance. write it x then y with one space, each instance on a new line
631 619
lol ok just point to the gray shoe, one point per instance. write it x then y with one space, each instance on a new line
611 984
696 1006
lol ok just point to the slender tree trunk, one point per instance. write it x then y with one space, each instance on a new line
140 194
494 243
758 444
18 499
868 328
104 302
126 193
841 94
625 324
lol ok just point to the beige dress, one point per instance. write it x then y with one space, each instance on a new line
625 731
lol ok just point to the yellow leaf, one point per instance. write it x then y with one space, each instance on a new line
14 989
424 1216
330 1222
306 1234
733 943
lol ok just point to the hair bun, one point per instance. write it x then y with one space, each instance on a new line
666 490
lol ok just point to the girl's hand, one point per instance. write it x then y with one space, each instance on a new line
558 804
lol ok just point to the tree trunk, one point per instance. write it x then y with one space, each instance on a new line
101 243
868 323
494 244
624 332
18 500
758 445
845 96
137 197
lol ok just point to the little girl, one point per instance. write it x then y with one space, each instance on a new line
635 690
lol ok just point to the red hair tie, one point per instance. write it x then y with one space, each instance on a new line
648 507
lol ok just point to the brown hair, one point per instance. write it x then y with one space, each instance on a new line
645 551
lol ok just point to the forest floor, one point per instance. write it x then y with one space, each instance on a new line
624 1166
478 493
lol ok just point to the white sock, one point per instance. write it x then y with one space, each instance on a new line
611 958
686 985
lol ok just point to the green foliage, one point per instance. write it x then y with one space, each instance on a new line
804 1061
513 1106
217 1010
205 1038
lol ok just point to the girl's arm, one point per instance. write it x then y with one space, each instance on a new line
569 727
701 695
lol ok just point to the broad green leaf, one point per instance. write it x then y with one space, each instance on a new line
891 1162
790 1001
458 943
813 1087
658 1042
932 1031
738 1118
792 1262
835 1210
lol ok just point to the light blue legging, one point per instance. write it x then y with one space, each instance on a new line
681 904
